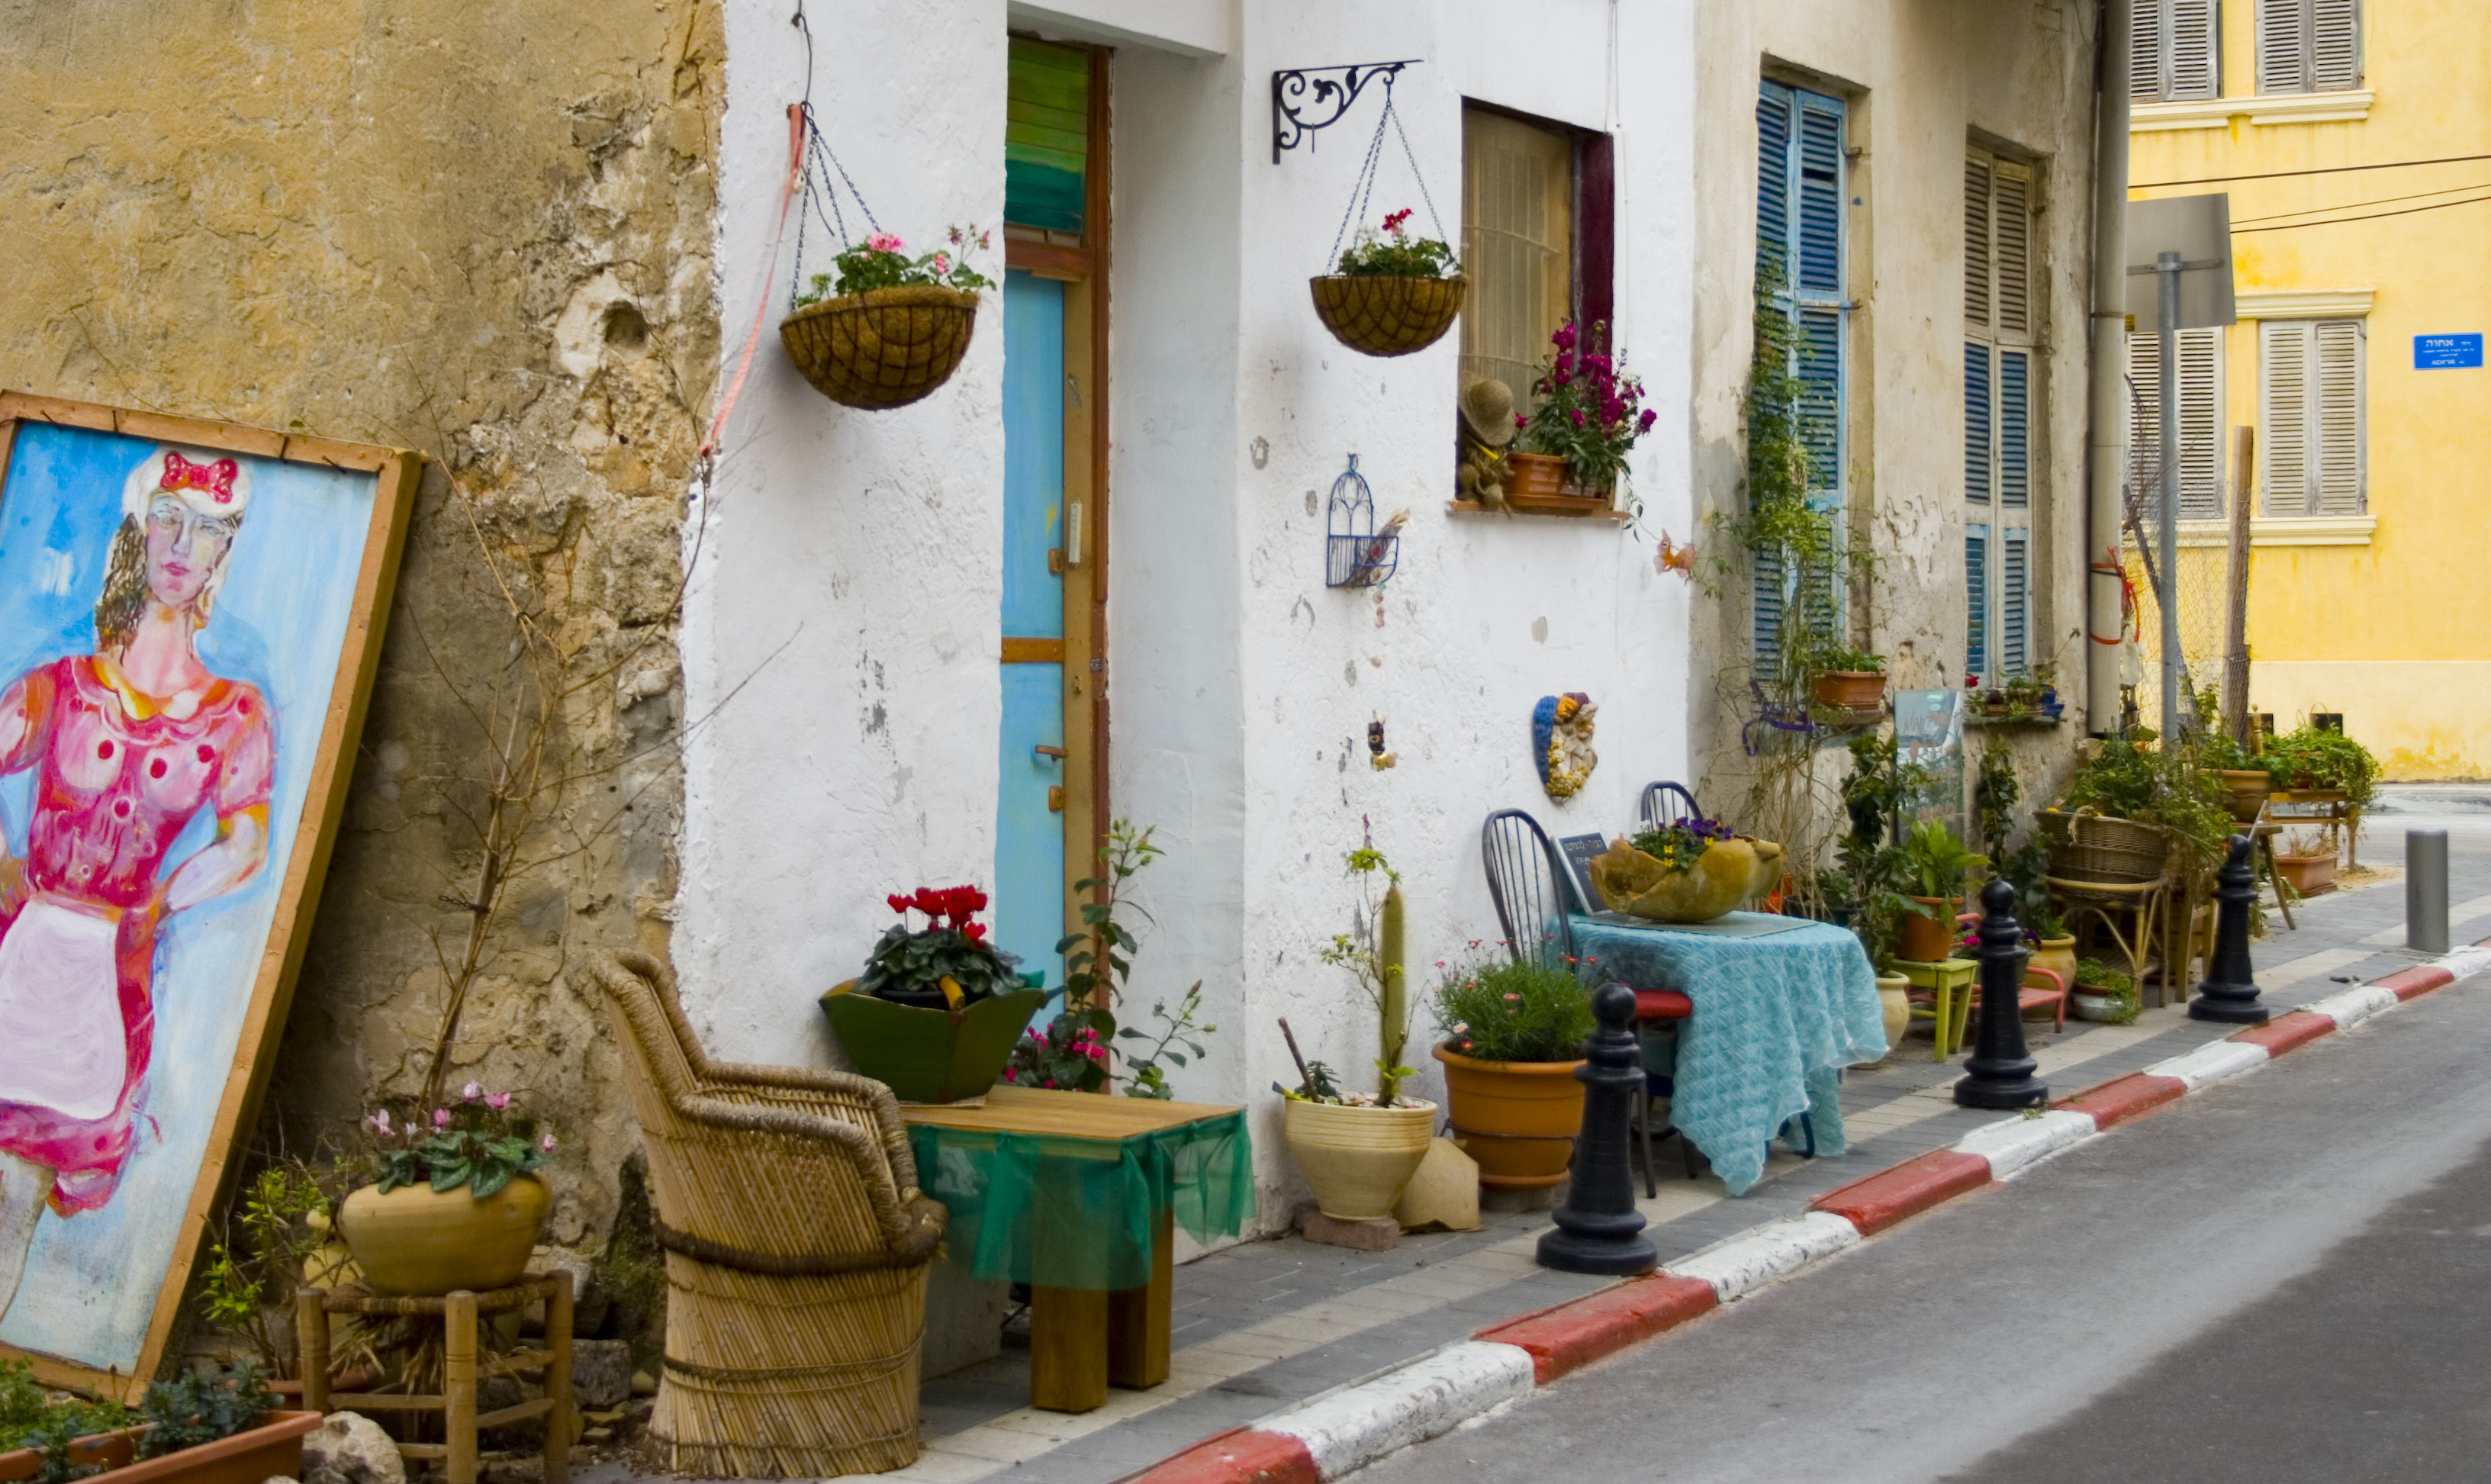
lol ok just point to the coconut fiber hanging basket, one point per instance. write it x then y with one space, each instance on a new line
886 347
1381 314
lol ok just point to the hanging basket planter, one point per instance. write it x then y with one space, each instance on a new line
886 347
1379 314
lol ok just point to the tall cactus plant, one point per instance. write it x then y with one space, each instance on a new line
1378 965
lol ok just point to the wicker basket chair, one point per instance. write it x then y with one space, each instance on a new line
797 1249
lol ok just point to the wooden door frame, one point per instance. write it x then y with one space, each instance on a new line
1084 271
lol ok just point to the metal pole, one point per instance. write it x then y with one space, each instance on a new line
2235 603
2426 891
2166 271
2106 407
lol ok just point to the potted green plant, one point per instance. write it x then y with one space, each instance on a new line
204 1428
1850 680
1391 293
1512 1035
2245 778
1358 1150
1585 416
2104 995
1936 870
457 1204
937 1009
891 328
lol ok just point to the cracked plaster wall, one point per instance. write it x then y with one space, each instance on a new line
478 230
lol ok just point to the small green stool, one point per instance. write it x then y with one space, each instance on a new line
1942 981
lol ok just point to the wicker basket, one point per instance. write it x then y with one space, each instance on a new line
2095 847
1380 314
886 347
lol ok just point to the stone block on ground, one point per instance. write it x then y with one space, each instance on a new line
348 1447
600 1373
964 1320
1544 1198
1378 1236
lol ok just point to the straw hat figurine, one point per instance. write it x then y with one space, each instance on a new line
1486 427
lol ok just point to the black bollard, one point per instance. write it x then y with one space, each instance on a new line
1598 1230
2001 1070
2229 995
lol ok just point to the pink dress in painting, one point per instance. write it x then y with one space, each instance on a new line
118 776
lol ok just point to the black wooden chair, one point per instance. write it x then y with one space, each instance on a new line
1528 881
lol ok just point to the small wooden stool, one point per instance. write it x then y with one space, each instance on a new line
463 1367
1940 980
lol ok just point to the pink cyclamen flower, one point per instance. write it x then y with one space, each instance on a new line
471 1091
545 1144
381 1122
884 242
441 1117
500 1102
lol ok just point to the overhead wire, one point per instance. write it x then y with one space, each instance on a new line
2351 206
2277 175
2294 226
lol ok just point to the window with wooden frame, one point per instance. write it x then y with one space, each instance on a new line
2313 420
1538 242
2308 46
2175 50
1802 244
2000 321
2198 368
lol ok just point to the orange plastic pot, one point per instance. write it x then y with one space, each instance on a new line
1927 940
1517 1119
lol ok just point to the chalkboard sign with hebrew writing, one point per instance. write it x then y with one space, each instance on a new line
1579 848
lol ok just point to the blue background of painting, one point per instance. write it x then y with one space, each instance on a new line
92 1280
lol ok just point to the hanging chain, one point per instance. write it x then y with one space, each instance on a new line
1363 193
822 198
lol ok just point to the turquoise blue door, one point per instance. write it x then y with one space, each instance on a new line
1029 819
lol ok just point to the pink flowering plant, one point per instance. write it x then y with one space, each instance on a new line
474 1141
883 261
1395 253
1586 409
1491 1007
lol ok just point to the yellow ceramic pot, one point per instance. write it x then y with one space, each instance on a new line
1517 1119
1724 876
2059 956
1357 1159
1894 1004
417 1239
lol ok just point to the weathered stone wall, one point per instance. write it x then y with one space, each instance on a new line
480 230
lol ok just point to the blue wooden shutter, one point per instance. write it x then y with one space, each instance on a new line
1775 107
2014 429
1977 422
1975 591
2015 599
1798 226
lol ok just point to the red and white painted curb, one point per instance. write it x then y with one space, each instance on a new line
1345 1428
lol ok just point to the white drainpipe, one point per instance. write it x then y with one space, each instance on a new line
2107 406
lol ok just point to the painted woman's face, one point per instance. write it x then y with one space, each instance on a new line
184 549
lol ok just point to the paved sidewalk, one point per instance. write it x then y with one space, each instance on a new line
1267 1322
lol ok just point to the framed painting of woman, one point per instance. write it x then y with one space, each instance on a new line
189 613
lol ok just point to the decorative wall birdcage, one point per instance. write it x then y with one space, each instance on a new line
1358 554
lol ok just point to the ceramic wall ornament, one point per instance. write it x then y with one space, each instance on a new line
1377 757
1561 741
1485 431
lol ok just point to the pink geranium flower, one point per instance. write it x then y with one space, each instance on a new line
884 242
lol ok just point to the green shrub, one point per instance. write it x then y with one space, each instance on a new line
1498 1010
25 1412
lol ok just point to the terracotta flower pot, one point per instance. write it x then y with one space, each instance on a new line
1517 1119
1728 873
2244 790
1357 1159
270 1448
1851 689
1927 940
930 1053
2309 875
417 1239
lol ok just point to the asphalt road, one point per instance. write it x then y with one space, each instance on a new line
2280 1279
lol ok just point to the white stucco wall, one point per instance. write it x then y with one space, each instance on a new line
863 755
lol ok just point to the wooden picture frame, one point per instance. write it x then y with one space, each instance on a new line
127 864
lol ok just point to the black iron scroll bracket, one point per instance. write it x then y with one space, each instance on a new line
1306 99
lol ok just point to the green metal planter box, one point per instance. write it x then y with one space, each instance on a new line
931 1056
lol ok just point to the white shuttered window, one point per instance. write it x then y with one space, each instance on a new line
2200 370
2175 50
2313 418
1999 317
2308 46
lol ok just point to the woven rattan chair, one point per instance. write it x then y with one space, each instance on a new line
797 1247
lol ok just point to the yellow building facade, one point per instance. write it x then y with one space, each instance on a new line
2364 295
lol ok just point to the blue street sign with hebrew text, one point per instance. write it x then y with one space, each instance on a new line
2446 352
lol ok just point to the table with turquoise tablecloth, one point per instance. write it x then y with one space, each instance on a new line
1777 1019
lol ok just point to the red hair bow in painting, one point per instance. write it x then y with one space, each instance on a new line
214 479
